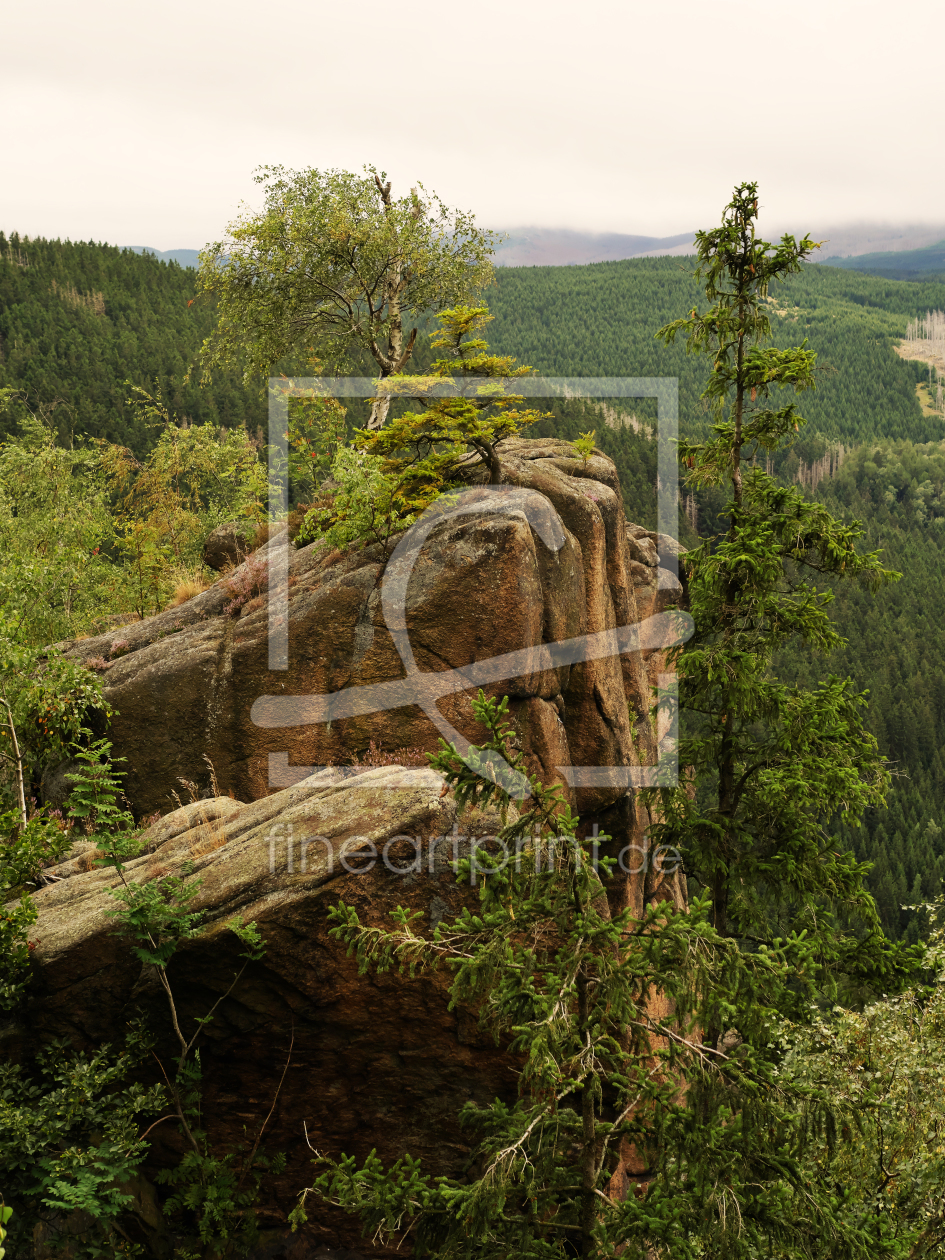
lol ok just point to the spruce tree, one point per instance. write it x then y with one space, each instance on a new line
775 767
658 1111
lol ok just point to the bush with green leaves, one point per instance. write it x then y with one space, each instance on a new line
43 841
95 802
317 432
366 503
92 529
884 1063
45 699
54 532
46 702
70 1143
163 506
68 1121
16 919
5 1214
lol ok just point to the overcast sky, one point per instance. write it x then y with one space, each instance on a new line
142 125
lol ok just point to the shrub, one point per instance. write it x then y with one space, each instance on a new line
69 1144
366 506
249 580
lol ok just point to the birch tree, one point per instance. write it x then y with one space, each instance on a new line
335 265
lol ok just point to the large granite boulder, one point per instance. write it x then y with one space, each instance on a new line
226 546
187 684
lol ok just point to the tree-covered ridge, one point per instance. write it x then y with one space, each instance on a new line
893 648
907 264
79 319
598 320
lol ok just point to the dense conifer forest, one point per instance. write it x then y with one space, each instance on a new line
79 320
599 320
895 649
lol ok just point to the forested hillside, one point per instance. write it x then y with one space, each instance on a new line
909 264
78 320
599 320
896 649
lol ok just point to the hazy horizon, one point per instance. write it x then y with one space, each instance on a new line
531 245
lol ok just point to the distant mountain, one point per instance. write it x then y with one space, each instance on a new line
854 239
529 247
549 247
186 257
907 264
911 248
898 252
557 247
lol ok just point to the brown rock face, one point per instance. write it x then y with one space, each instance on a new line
484 584
376 1061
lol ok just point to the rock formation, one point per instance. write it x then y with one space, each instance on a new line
184 682
225 548
376 1061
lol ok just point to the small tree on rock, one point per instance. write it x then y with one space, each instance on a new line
430 445
464 415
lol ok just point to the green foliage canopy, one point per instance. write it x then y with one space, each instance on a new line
333 265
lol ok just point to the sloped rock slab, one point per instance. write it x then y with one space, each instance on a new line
376 1060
